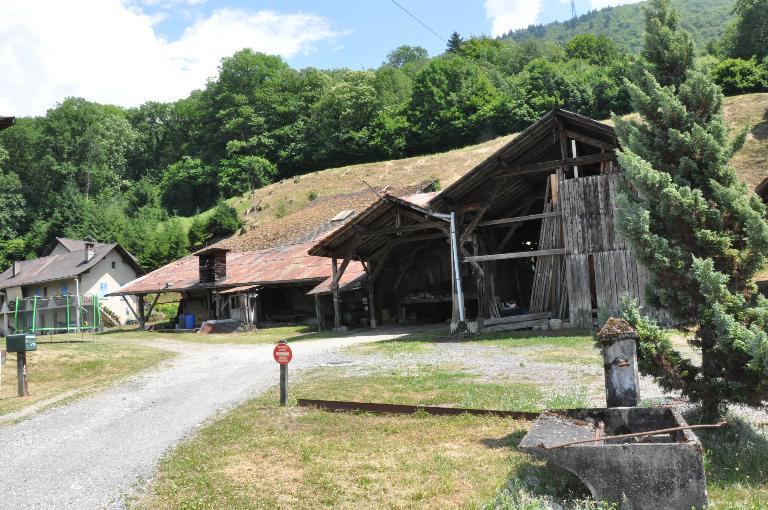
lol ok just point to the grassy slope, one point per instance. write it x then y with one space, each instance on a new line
705 19
343 188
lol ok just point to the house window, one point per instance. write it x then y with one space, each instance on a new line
45 291
102 289
114 264
37 291
64 290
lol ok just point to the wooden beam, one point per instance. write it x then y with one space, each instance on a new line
594 142
403 228
519 219
130 307
471 227
548 166
152 306
515 255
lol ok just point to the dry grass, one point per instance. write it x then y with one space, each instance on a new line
67 371
343 188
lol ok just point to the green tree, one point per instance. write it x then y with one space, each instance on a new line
739 76
242 173
668 50
747 36
453 101
701 236
197 233
12 203
454 43
187 185
595 49
224 221
404 55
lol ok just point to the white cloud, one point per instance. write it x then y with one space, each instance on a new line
506 15
107 51
599 4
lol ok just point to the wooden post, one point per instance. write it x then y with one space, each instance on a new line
21 373
140 311
480 278
319 313
335 290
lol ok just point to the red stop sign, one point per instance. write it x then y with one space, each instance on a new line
282 353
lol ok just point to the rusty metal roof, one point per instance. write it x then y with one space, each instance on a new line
274 266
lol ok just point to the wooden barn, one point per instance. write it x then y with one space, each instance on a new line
524 239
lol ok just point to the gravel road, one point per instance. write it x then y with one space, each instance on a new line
95 452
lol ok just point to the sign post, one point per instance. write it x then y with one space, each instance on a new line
283 355
2 365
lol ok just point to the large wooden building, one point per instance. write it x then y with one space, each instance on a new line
525 237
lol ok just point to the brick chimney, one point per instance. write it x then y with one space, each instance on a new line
212 263
89 250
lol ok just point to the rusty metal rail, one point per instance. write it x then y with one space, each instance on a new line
372 407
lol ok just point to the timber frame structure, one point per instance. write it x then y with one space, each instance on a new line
532 224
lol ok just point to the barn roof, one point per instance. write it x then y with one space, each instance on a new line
274 266
506 176
372 230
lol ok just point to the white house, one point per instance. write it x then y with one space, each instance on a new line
47 289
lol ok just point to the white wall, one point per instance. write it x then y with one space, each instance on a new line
115 278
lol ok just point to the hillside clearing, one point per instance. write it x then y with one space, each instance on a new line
285 212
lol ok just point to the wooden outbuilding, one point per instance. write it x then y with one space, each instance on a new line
524 239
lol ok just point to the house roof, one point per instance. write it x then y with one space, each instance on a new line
61 266
6 122
75 244
274 266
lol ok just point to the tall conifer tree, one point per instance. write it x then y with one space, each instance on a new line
698 230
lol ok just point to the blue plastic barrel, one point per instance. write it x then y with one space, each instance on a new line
189 321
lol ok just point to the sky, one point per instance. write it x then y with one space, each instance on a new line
127 52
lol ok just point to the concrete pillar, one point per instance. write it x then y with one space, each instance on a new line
622 381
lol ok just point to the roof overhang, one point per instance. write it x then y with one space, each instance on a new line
389 220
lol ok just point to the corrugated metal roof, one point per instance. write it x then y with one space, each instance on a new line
274 266
58 267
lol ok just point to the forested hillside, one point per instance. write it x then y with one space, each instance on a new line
624 24
160 178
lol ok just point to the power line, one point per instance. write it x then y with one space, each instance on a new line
420 22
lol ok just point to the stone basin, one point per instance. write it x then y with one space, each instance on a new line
661 471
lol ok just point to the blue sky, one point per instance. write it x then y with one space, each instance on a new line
127 52
370 29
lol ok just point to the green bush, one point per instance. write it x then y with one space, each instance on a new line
224 221
739 76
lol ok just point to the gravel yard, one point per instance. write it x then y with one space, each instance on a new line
100 451
94 453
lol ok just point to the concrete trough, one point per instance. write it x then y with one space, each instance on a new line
639 473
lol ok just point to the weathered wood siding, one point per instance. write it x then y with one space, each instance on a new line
597 255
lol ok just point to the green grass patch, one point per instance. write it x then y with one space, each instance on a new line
69 370
436 386
260 336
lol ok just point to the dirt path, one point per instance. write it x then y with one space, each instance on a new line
96 451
